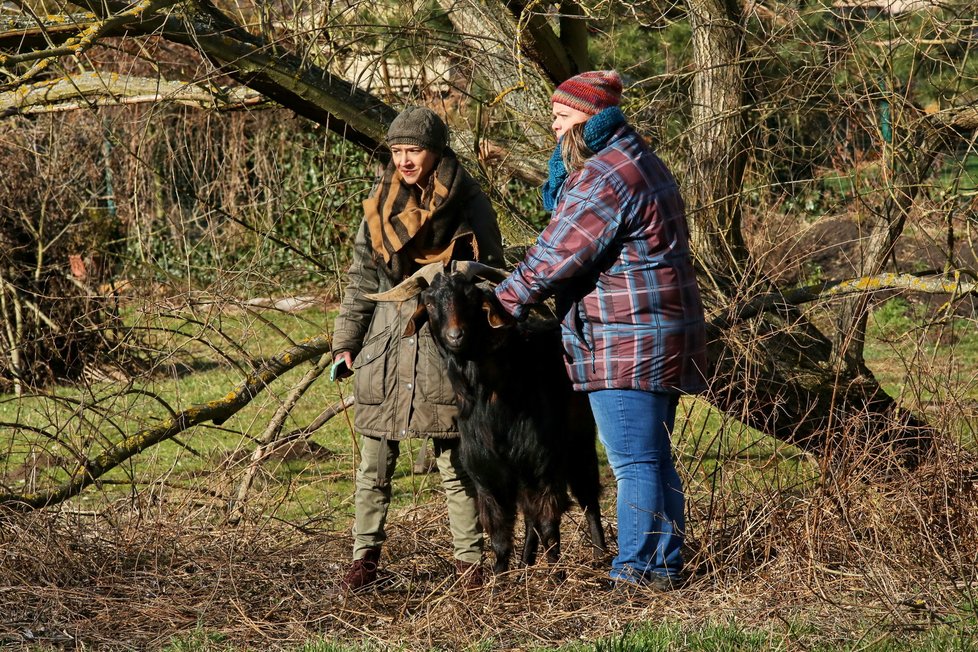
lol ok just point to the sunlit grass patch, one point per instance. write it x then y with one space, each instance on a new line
928 362
711 444
311 481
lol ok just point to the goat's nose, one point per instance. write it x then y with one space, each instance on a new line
454 335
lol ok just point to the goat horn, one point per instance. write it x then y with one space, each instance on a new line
411 286
472 268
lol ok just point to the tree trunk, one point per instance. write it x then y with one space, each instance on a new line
717 137
499 42
772 371
283 77
574 37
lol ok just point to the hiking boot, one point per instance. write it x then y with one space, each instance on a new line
665 582
469 575
363 572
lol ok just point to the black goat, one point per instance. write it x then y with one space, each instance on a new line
527 436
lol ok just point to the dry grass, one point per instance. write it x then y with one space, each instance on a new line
811 567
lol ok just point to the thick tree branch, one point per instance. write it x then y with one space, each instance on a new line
77 44
217 411
963 118
311 91
495 37
88 89
864 285
283 77
540 42
19 33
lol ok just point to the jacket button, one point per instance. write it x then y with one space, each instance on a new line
410 386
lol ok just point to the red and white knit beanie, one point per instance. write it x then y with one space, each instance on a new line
590 92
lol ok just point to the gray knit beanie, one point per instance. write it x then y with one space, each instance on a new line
418 125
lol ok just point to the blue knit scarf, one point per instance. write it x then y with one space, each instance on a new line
597 132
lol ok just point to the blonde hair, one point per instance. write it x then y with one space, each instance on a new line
573 149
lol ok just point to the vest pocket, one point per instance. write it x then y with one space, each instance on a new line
370 379
433 383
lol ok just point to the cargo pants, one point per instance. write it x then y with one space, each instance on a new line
373 496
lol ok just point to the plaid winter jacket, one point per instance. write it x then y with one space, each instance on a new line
616 255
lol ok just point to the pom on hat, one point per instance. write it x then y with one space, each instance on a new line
418 125
590 92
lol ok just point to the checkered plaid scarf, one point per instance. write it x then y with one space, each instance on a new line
408 230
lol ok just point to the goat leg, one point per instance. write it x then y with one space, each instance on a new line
551 509
531 542
551 540
499 524
587 497
586 488
598 546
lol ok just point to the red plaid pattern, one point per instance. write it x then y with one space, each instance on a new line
616 255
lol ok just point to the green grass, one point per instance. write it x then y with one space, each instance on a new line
668 637
922 357
205 357
961 176
731 637
710 442
209 354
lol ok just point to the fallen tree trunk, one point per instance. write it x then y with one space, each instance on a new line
773 371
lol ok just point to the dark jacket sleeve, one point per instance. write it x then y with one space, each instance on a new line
356 311
482 219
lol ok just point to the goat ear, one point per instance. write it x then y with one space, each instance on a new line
496 314
416 321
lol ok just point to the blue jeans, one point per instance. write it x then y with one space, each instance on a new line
634 427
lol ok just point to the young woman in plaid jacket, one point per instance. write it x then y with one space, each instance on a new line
616 256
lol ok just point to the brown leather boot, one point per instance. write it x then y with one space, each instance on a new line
469 575
363 572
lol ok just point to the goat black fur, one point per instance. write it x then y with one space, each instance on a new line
526 435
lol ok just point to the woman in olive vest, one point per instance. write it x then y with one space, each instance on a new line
424 208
